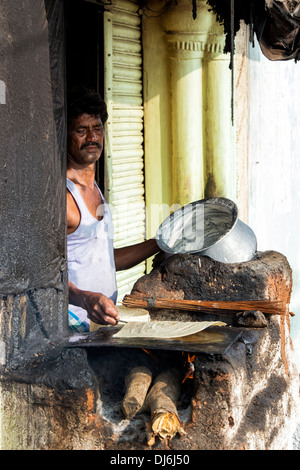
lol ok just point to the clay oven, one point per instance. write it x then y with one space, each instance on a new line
243 389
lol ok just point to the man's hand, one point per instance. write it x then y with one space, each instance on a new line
158 259
100 308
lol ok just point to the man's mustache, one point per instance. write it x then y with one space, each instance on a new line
89 144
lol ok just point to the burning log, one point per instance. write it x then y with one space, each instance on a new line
161 401
137 384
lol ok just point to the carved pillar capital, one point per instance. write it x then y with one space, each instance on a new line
202 37
193 48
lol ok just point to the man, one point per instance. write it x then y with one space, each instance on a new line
92 260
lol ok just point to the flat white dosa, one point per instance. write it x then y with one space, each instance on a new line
133 314
163 329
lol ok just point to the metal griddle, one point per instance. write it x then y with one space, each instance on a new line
213 340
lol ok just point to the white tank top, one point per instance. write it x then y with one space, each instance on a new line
91 264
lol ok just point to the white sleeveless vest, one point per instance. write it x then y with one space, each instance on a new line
91 264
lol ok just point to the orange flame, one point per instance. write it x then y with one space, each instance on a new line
147 352
151 354
191 368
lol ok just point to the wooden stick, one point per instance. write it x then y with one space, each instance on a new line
162 404
137 384
215 306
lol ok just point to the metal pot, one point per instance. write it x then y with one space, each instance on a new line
209 227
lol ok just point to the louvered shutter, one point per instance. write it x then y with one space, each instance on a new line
124 156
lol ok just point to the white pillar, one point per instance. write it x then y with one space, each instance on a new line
187 139
203 148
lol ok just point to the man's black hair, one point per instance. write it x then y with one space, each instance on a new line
84 101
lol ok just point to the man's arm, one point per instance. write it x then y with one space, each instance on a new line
100 308
130 256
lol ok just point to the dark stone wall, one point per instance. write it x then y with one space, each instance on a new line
33 275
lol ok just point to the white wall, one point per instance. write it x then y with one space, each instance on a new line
274 165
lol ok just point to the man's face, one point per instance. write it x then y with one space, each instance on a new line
85 139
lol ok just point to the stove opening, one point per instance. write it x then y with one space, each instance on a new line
145 395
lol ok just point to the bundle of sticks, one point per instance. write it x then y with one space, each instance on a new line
214 306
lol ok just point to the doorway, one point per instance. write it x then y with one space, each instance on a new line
84 51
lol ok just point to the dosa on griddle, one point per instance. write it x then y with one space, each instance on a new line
164 329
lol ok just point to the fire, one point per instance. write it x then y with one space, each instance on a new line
151 354
147 352
188 360
190 367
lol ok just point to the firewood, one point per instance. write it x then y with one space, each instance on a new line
150 435
137 384
162 404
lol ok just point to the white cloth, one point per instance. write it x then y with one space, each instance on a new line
91 264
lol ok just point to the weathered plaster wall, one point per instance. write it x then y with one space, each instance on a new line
241 115
274 166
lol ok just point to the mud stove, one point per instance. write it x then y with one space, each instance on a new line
231 387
